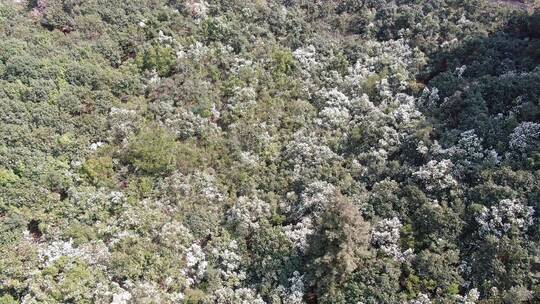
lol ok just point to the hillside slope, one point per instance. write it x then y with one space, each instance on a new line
269 151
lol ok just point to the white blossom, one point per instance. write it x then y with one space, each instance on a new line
92 253
305 153
506 214
247 212
295 293
122 122
461 70
385 236
185 124
197 8
162 38
153 77
196 264
332 98
175 235
406 110
436 175
334 117
121 297
57 249
194 52
421 299
298 233
422 148
470 298
96 145
307 57
525 135
229 263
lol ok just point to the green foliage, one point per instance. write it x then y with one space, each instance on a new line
270 151
156 57
66 280
282 62
152 151
99 171
7 299
7 176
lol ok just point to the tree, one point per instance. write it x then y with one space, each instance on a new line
337 247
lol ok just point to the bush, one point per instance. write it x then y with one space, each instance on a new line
152 151
158 58
99 171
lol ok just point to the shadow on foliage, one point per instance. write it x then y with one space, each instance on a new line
488 84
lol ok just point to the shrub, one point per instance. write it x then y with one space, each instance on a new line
158 58
99 171
152 151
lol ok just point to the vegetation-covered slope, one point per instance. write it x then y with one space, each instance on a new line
269 151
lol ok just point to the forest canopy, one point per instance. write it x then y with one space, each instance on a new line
269 151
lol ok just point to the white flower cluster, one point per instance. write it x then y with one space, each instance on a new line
306 153
334 108
246 213
334 117
243 98
421 299
389 66
386 233
385 236
470 298
196 264
122 122
310 66
164 39
508 213
459 71
468 151
395 57
469 145
57 249
151 292
406 109
293 294
196 8
249 159
382 122
296 291
430 97
299 232
242 66
312 202
436 175
96 145
194 52
92 201
229 263
91 253
201 184
331 98
307 59
525 135
175 235
185 124
121 297
315 197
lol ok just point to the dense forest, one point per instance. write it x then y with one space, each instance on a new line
269 151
